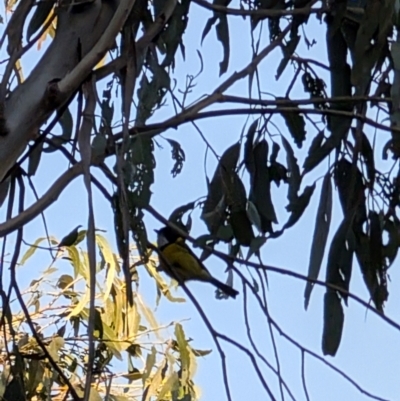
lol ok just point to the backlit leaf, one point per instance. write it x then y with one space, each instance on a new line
31 250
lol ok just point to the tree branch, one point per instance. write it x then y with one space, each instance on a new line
45 201
261 13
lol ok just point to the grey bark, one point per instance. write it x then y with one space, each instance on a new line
31 103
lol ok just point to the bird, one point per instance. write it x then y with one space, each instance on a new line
179 262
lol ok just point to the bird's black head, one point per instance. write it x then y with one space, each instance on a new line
167 235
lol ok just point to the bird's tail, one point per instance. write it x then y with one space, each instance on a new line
227 289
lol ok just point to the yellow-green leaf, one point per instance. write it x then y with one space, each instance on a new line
108 256
31 250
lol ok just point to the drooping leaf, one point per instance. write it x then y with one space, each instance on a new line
66 122
81 236
391 248
255 246
277 173
177 214
321 230
235 195
273 23
274 154
39 16
173 34
225 233
260 187
372 259
142 162
34 159
349 181
318 154
340 86
99 145
178 155
394 143
241 227
248 147
31 250
98 324
36 373
214 208
222 29
295 123
340 258
75 261
151 91
107 110
294 172
333 323
288 51
376 243
77 308
253 215
139 233
298 206
368 155
230 157
183 350
375 26
148 314
315 145
55 345
222 33
109 259
14 390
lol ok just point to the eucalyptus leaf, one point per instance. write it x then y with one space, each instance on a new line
177 214
333 323
321 230
294 171
34 158
295 123
41 13
178 155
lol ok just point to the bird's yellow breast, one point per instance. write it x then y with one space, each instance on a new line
184 264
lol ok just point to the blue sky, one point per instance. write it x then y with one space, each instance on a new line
369 349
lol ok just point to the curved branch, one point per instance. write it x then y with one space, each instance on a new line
182 118
261 13
44 202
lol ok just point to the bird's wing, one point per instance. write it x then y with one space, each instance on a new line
185 262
